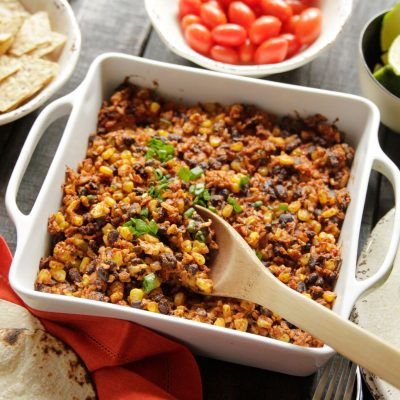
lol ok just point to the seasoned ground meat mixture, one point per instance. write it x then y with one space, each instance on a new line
128 233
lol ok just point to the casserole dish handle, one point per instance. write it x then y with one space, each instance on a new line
384 165
51 113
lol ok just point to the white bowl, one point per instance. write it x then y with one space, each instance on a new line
62 20
164 17
368 55
358 117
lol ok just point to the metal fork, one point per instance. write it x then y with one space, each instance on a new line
337 380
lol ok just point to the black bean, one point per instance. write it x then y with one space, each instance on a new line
113 236
312 262
224 192
102 274
163 307
312 278
281 192
136 261
320 282
74 275
214 163
301 287
128 141
266 312
216 200
168 260
286 218
192 268
136 304
307 247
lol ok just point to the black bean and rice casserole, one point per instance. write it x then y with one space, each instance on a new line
128 233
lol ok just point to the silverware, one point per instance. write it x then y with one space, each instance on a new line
337 380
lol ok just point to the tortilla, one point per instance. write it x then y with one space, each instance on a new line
57 41
36 365
8 66
33 75
35 31
6 40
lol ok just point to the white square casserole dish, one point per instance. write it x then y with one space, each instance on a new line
359 118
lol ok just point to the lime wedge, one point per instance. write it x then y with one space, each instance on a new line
387 78
394 56
390 27
384 58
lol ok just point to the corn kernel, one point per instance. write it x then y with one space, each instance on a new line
316 226
227 211
235 187
116 297
85 280
117 258
84 263
330 264
251 220
99 210
44 276
263 171
294 206
58 274
284 277
264 322
215 141
226 310
303 215
205 285
125 232
76 220
241 324
55 265
253 239
235 178
329 213
152 306
106 170
108 153
110 201
235 165
117 196
207 123
179 299
322 197
247 305
187 246
136 295
128 186
219 322
204 131
308 295
188 127
200 247
285 160
163 132
154 107
198 258
60 220
329 297
304 259
284 338
238 146
152 205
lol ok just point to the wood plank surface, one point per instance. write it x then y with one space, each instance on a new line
122 25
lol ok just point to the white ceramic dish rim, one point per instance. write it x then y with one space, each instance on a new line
297 61
74 101
73 47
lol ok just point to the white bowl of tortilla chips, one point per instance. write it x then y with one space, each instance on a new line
39 47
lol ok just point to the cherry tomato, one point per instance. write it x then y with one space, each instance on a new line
241 14
309 26
252 3
296 5
246 52
225 3
229 35
271 51
199 38
277 8
189 7
264 28
190 19
224 54
215 3
290 26
293 44
212 16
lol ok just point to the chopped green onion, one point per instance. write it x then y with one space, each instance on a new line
258 203
283 207
189 212
259 254
213 209
191 227
200 236
166 121
196 172
144 212
150 282
159 174
163 151
236 206
142 227
270 207
244 180
184 174
90 197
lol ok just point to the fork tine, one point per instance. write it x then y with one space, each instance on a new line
350 383
324 380
343 379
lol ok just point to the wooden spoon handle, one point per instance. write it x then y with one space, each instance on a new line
355 343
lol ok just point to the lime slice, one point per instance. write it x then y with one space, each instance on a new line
387 78
384 58
390 27
394 56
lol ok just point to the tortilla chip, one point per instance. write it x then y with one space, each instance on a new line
34 31
6 40
14 6
33 75
9 22
57 41
8 66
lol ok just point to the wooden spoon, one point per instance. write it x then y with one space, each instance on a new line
237 272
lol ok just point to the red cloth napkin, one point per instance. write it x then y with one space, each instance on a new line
126 361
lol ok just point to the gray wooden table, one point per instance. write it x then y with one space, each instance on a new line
123 26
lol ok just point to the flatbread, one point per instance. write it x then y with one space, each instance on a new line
35 31
10 22
36 365
6 40
8 66
33 75
57 40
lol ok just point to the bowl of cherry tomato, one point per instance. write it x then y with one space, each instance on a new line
248 37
